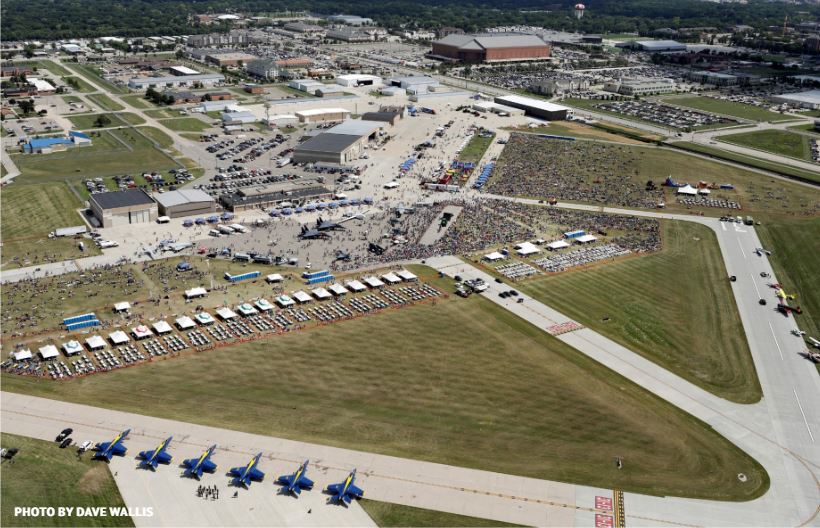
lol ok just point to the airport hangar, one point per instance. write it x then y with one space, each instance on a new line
295 192
535 107
491 48
185 202
340 144
116 208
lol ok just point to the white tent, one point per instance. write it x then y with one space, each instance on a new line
204 318
94 342
355 285
284 301
586 239
337 289
688 190
302 297
185 323
391 278
406 275
321 294
264 305
20 355
274 277
558 244
142 332
122 306
246 309
705 191
527 248
225 313
72 347
193 293
118 338
373 282
162 327
49 352
492 257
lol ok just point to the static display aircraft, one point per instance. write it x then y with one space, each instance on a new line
243 476
159 455
194 467
311 234
345 492
106 450
296 482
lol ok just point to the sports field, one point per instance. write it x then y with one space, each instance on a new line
105 102
112 152
674 307
386 515
88 121
45 475
186 124
461 381
729 108
775 141
30 213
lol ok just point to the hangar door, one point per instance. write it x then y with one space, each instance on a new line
140 217
119 219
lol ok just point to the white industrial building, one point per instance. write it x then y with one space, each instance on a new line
319 115
809 99
648 86
358 80
495 108
415 83
175 81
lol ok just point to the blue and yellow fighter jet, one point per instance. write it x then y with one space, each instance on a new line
106 450
150 459
296 482
195 466
243 476
345 492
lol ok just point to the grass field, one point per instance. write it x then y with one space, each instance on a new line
105 102
30 213
72 99
729 108
795 260
575 129
476 148
389 515
49 65
45 475
137 101
162 113
775 141
163 139
806 128
112 152
186 124
86 121
82 85
674 307
750 161
475 386
92 72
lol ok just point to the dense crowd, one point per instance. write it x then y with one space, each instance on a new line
580 171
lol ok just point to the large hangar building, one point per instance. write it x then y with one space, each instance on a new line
340 144
185 202
535 107
491 48
116 208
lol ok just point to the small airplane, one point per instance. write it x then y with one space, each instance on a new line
150 459
106 450
243 476
375 248
194 467
798 333
345 492
815 343
297 481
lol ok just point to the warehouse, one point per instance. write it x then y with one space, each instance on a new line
386 116
185 202
180 71
358 80
535 107
340 144
810 99
175 81
230 58
328 90
238 118
131 206
495 108
491 48
648 86
295 192
319 115
653 46
415 83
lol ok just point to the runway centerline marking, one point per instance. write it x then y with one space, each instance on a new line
741 247
804 415
775 341
755 285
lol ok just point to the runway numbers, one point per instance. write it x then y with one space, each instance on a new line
563 328
603 503
603 521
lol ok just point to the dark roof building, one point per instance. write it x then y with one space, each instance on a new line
491 48
131 206
295 192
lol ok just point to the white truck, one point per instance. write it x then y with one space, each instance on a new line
282 162
225 230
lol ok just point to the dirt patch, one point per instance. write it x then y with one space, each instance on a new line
94 480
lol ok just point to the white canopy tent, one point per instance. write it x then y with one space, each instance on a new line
302 297
337 289
373 282
355 286
193 293
225 313
72 347
284 301
204 318
263 305
274 277
122 306
406 275
49 352
321 294
185 323
118 338
95 342
23 354
162 327
688 190
246 309
527 248
142 332
558 244
586 239
391 278
492 257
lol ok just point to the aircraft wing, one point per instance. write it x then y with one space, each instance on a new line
355 491
287 480
255 474
237 471
118 449
208 466
164 457
305 482
334 488
103 446
146 455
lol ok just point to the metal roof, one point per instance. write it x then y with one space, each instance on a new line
127 198
182 196
329 143
531 102
475 42
356 127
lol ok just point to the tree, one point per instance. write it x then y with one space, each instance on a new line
102 121
26 106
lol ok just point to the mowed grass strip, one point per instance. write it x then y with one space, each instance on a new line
30 213
105 102
386 514
88 121
476 148
775 141
460 382
137 101
729 108
45 475
186 124
674 307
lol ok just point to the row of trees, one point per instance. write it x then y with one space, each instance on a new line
46 19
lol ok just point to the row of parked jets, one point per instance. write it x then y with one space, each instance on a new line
341 493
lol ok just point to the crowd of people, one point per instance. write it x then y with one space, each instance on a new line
579 171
